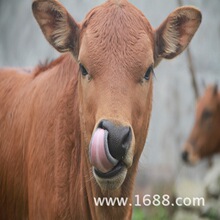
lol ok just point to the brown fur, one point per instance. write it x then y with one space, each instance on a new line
204 140
47 118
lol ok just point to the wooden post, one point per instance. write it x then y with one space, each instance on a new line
191 66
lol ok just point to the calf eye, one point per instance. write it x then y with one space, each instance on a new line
148 72
83 70
206 114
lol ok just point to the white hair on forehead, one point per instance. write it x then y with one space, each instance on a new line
171 37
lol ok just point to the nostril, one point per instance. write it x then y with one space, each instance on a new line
126 135
119 138
101 125
185 156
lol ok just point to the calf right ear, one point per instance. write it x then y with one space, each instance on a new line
175 33
59 28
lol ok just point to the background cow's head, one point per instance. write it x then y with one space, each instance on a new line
117 50
204 139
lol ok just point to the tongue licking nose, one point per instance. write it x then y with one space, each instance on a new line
100 156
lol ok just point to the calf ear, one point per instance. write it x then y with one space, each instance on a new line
175 33
58 26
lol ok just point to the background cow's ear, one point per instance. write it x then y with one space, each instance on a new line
58 26
215 89
175 33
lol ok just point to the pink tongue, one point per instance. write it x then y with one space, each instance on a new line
100 156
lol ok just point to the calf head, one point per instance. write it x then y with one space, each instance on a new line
116 49
204 139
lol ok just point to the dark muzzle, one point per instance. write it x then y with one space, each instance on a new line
109 145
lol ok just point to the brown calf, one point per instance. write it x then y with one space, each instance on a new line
204 140
75 129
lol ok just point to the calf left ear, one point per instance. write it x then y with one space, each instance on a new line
175 33
58 26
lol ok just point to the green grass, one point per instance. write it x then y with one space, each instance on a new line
213 214
138 214
155 213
